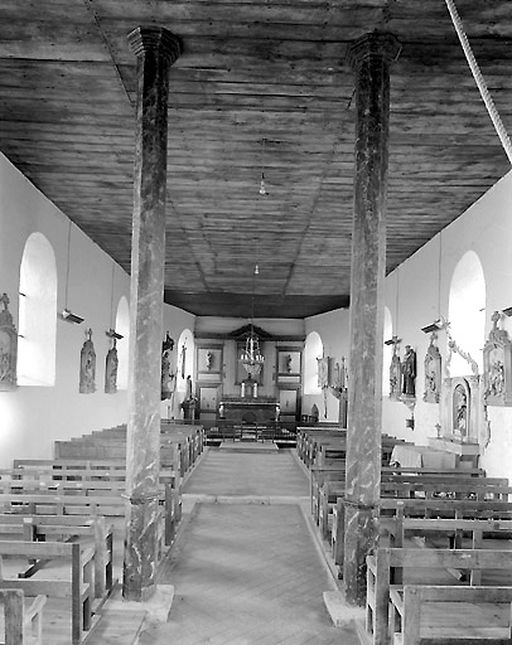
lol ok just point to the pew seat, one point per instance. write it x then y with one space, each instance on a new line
451 615
21 619
391 569
74 583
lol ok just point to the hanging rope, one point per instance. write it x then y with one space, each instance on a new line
479 80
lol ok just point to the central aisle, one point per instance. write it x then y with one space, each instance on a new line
245 569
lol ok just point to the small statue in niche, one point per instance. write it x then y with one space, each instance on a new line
460 410
8 347
87 365
167 374
111 365
409 372
209 360
395 373
496 377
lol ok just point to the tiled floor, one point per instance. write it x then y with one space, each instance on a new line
247 572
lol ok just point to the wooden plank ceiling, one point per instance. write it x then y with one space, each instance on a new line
253 71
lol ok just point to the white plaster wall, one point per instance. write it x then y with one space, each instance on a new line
417 293
424 284
333 329
32 418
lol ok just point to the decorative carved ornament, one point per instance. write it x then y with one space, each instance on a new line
8 347
87 366
497 378
433 374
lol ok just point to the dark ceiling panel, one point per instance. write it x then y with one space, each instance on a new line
253 72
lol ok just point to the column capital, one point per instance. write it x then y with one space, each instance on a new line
158 39
373 45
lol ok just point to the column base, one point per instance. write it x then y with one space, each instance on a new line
342 614
157 606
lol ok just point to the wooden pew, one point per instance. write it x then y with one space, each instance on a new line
423 487
381 568
23 619
83 505
450 614
77 588
67 528
179 444
422 508
92 479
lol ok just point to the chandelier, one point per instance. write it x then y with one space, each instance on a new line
251 357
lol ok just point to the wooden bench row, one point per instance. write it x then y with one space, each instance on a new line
319 445
77 587
180 445
22 618
421 606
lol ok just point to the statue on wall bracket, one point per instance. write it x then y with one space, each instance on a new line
168 376
111 365
8 347
395 370
409 373
497 355
433 374
87 366
338 387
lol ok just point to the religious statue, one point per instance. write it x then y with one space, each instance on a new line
432 391
497 376
111 365
188 390
460 410
167 379
8 347
395 373
87 365
183 357
409 372
323 372
189 403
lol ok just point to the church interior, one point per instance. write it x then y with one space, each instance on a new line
255 322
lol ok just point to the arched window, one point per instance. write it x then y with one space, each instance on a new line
123 328
387 353
313 349
37 313
466 312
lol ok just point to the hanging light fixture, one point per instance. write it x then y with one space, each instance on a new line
66 314
263 189
251 357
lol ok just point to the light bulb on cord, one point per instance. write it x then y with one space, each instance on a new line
263 190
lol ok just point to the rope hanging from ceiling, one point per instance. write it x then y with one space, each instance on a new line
479 80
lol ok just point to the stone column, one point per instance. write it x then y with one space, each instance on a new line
370 57
156 49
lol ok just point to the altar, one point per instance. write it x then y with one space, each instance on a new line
249 410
